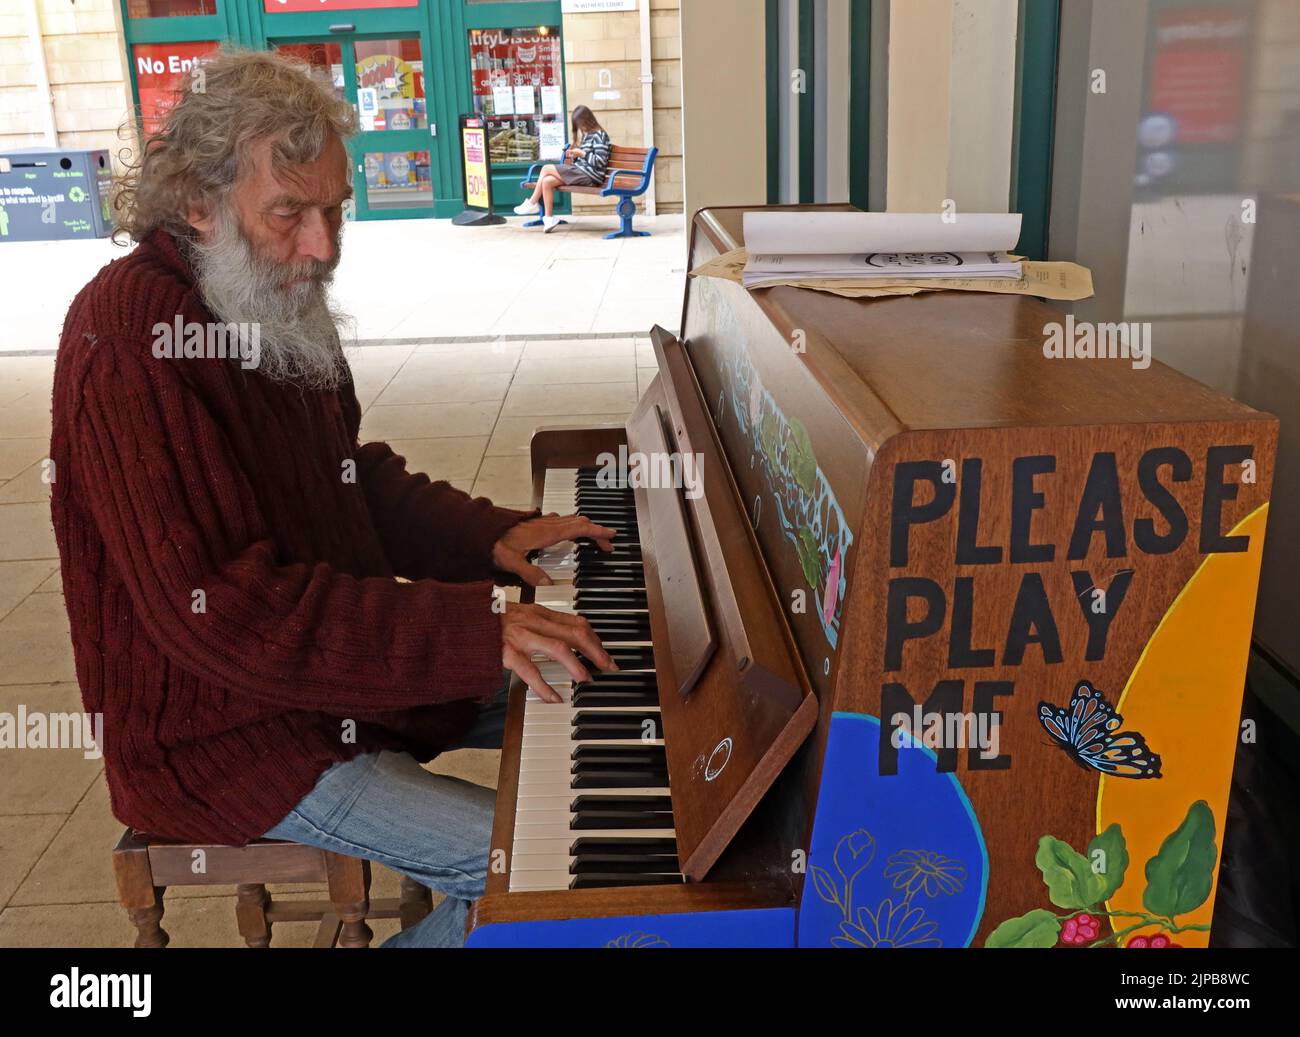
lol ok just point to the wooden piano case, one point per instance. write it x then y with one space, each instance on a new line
1021 590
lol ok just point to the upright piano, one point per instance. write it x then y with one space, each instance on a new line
926 637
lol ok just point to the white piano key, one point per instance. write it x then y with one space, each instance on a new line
563 688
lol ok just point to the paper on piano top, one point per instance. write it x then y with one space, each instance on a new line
1055 280
794 233
763 269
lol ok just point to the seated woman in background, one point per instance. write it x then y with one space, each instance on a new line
587 162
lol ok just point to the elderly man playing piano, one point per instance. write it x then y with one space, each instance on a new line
231 551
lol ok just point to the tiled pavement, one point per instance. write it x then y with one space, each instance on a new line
463 412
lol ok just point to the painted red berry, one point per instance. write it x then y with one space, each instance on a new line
1080 929
1157 941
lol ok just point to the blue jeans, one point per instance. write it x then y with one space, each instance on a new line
436 829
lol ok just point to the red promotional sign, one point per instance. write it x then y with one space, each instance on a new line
1198 76
161 71
286 6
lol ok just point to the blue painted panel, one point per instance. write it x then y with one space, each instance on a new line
768 927
896 860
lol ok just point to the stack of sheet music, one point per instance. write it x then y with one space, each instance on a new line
878 247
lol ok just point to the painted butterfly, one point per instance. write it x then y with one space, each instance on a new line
1088 729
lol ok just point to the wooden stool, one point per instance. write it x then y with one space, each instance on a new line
145 866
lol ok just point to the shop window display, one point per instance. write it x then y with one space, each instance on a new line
390 85
398 179
517 87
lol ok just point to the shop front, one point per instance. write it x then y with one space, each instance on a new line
408 67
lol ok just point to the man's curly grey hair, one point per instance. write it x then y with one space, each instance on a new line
204 145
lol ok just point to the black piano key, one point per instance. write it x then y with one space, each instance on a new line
629 697
614 680
585 582
652 774
605 564
610 561
618 554
608 598
620 819
596 880
633 719
583 753
622 845
647 864
621 634
626 657
595 731
643 763
618 778
597 613
592 497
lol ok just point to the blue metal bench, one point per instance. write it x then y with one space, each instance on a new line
628 177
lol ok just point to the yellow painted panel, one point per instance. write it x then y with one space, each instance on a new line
1184 696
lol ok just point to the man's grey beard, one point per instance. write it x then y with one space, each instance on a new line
298 328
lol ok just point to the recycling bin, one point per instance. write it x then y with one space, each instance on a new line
48 194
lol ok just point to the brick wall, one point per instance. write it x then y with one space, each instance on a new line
611 40
88 79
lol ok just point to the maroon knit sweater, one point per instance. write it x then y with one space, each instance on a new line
180 476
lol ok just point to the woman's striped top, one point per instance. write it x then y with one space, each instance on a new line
594 159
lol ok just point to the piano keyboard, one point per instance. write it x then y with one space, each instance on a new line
594 807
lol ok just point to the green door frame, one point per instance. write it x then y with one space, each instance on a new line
443 28
1037 46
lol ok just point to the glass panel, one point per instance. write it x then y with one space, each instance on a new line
169 8
398 180
1185 203
327 57
161 71
390 85
515 78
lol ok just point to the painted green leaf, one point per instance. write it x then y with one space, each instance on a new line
803 463
810 558
1068 874
1038 928
1108 859
1180 876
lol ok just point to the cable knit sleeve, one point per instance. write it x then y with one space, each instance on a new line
431 529
179 522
